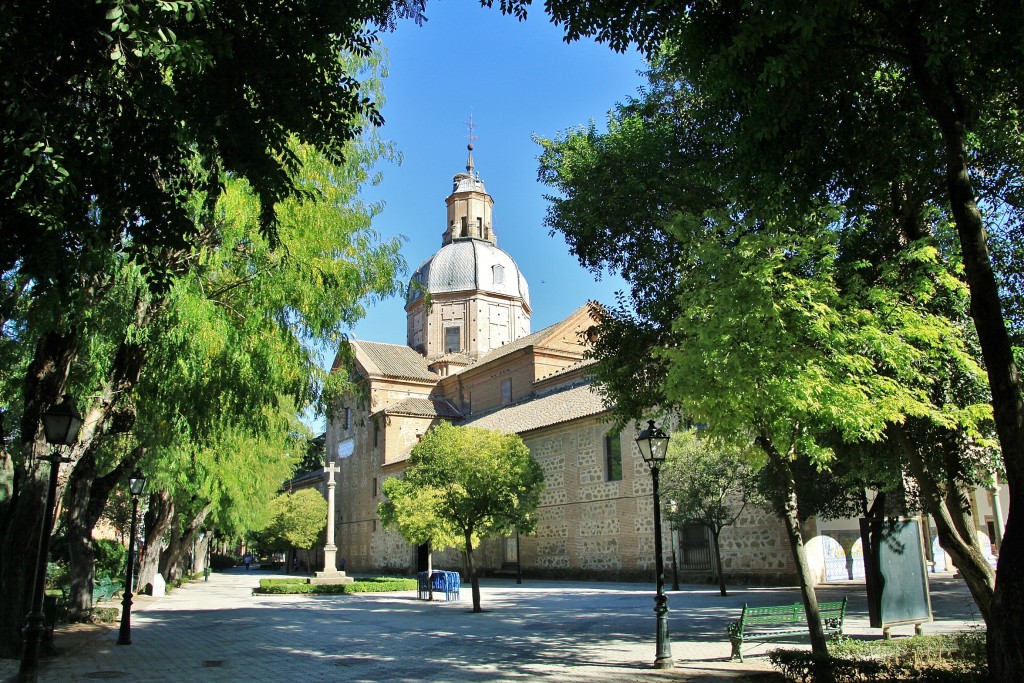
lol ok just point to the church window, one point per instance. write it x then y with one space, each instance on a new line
506 391
498 274
347 423
479 226
376 433
375 487
465 227
613 456
452 340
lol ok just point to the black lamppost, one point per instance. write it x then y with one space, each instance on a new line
137 485
60 425
673 538
653 445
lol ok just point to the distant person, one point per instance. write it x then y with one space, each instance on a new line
247 560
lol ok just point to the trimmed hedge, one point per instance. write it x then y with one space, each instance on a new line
299 586
940 658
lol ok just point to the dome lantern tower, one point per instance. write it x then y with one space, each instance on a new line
479 299
469 207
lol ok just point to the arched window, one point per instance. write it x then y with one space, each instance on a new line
498 274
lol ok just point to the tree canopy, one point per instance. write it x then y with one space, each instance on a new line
298 520
117 112
792 322
468 483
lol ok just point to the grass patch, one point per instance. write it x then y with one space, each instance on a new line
293 586
938 658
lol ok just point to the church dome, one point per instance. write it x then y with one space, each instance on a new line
469 264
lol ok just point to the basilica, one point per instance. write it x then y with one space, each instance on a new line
472 359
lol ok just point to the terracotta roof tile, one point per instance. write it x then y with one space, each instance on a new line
424 407
541 411
396 361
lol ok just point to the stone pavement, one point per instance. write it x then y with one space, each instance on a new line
572 632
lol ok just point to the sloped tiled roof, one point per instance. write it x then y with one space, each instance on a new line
586 362
521 343
392 360
454 358
424 407
541 411
536 339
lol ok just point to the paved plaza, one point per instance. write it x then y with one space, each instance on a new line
541 630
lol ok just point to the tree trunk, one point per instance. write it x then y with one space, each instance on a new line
430 572
202 556
962 548
471 570
715 533
171 554
791 520
21 516
84 502
158 519
17 566
78 535
172 557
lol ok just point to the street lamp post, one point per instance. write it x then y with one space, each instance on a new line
60 424
137 485
653 445
674 540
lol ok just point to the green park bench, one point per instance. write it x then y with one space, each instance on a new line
105 589
782 621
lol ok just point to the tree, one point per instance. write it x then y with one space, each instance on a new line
863 300
833 102
471 483
216 350
97 97
703 484
300 518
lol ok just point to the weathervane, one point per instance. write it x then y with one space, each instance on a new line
469 161
471 125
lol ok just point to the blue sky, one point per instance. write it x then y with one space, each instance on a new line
515 79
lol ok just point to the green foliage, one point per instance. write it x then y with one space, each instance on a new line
57 575
479 483
802 320
313 458
939 658
210 86
299 586
414 511
220 562
299 519
104 615
705 481
111 558
468 483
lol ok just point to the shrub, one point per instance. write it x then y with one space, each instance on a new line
298 586
220 562
111 557
57 575
939 658
280 582
104 615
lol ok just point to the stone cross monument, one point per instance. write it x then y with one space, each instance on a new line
330 574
